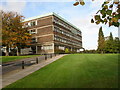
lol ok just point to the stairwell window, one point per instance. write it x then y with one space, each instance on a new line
32 23
47 47
33 31
34 40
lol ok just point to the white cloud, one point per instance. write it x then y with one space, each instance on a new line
96 3
13 5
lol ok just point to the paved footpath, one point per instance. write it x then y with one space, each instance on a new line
12 77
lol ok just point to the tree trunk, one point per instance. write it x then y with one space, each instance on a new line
7 51
18 51
102 52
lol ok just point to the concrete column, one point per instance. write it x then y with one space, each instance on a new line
36 49
53 47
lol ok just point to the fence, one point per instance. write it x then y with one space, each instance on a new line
23 63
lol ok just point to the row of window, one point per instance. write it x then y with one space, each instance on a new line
60 22
34 40
56 20
61 47
34 31
66 40
71 49
47 47
60 30
32 23
61 39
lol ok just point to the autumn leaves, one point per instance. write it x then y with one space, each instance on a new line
13 33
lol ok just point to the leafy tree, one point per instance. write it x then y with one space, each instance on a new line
90 51
101 41
111 37
22 36
116 45
7 30
107 48
112 45
109 44
106 15
67 50
59 51
13 33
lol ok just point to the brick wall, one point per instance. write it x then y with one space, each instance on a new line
44 22
45 39
44 31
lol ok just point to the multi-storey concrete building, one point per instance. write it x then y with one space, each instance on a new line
51 32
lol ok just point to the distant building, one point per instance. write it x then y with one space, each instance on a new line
51 32
107 38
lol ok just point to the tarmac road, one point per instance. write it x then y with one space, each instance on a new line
14 65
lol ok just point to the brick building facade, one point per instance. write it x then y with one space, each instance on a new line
51 33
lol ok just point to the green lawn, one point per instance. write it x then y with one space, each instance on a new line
13 58
75 71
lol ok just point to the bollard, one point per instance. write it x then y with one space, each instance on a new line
51 55
45 57
37 60
22 64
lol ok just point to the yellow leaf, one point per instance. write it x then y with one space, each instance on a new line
82 3
106 6
114 20
98 22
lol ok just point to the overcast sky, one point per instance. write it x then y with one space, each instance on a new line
79 16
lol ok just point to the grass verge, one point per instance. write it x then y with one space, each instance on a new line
14 58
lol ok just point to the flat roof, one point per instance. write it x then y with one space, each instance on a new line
48 14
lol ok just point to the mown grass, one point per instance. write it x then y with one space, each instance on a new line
14 58
75 71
